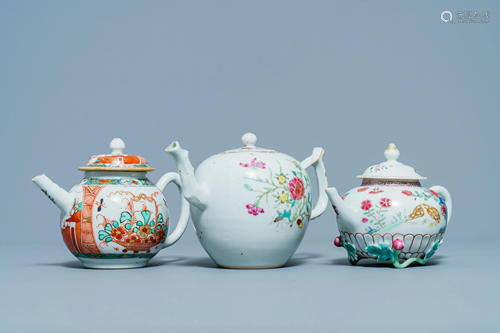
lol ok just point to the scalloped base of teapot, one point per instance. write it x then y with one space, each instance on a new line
388 252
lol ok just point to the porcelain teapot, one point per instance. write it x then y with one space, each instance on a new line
391 216
251 206
115 217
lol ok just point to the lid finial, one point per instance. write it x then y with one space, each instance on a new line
249 140
117 146
391 152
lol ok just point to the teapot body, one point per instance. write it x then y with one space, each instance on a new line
117 220
391 216
388 211
258 208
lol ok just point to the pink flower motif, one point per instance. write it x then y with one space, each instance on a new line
385 202
433 193
366 205
254 164
377 168
408 193
443 210
343 197
254 210
375 191
363 189
296 187
398 244
364 220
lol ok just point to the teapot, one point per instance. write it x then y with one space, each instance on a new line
391 216
115 217
251 206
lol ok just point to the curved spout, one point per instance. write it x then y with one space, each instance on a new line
346 213
191 189
56 194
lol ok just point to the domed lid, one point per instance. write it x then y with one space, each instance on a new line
249 140
391 169
117 160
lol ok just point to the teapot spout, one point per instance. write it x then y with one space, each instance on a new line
346 213
192 191
56 194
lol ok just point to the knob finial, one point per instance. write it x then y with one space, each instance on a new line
117 146
249 140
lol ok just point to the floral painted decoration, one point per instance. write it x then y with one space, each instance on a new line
132 233
253 164
291 203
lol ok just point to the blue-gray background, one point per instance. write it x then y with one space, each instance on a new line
350 77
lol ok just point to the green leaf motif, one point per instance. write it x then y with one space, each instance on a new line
248 187
115 224
128 226
160 218
383 253
80 206
135 229
125 217
351 250
432 250
294 173
139 223
109 239
146 215
108 227
103 234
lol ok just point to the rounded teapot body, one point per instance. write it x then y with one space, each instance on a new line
257 211
402 215
117 220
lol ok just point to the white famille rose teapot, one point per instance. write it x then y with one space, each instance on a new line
251 206
115 217
391 216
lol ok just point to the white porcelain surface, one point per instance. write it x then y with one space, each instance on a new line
251 206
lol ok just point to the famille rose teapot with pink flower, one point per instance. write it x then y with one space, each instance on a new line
115 217
391 216
251 206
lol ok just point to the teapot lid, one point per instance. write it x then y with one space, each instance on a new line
117 160
249 140
391 169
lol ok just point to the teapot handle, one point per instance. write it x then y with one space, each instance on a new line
316 160
166 179
447 199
